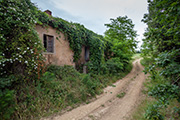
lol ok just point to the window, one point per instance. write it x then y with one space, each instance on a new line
87 53
48 43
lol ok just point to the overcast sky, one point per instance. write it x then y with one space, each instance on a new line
93 14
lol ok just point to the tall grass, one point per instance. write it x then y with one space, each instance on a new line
60 88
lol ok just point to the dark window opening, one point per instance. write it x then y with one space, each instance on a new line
87 53
48 43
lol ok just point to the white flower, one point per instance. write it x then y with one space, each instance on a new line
28 48
18 48
26 62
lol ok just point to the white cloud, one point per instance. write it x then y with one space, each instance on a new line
95 13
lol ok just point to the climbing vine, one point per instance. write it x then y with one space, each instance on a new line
77 35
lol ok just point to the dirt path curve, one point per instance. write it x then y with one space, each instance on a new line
108 106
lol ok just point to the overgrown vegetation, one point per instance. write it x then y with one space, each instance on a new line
161 51
121 36
28 88
77 35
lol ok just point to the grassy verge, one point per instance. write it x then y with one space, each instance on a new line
60 88
156 108
136 56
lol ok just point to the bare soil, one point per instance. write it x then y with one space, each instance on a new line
112 105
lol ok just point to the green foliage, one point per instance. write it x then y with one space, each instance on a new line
20 51
58 88
6 82
77 35
161 44
7 104
121 39
165 92
170 65
122 35
163 25
115 65
26 95
20 46
59 71
162 39
153 113
121 95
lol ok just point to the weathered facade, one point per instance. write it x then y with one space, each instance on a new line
57 51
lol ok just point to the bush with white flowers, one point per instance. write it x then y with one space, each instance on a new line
20 47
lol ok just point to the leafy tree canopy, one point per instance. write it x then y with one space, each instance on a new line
162 37
121 35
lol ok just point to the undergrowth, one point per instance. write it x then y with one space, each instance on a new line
60 88
161 99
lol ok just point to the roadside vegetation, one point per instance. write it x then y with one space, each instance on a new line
29 89
162 62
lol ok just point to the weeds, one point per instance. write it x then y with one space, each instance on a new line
121 95
59 88
163 101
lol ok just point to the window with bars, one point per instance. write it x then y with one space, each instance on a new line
48 43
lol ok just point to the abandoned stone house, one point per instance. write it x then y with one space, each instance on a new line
58 51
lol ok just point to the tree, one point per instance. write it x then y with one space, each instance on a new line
122 36
162 40
163 25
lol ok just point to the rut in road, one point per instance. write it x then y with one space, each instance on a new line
108 106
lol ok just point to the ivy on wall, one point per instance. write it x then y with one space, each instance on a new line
77 35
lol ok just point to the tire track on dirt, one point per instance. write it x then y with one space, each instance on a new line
108 106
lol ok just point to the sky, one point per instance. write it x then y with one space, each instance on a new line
93 14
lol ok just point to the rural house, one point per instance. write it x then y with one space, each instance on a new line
57 49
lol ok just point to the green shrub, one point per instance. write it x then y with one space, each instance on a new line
63 71
153 113
20 46
165 92
91 84
114 65
7 104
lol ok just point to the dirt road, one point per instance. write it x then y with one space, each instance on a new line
116 103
